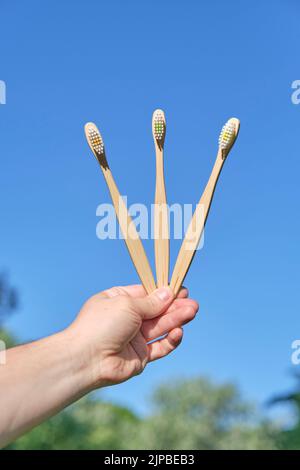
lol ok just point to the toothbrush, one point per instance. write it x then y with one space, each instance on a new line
161 216
131 237
190 243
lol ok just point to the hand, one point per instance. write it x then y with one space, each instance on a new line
113 330
106 344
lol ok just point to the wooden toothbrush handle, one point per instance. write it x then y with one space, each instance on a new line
195 230
131 237
161 226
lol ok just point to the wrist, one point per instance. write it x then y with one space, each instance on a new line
84 367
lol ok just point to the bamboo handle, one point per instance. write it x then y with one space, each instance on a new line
161 225
195 229
131 237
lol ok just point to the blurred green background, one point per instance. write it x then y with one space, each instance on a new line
183 414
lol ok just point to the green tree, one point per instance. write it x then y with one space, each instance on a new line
89 424
192 414
8 298
289 439
197 414
8 305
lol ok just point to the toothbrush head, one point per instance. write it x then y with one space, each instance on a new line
159 127
96 143
94 138
228 136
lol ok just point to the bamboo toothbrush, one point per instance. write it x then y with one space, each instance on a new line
131 237
161 216
189 245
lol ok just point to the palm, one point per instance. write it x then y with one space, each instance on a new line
123 339
131 360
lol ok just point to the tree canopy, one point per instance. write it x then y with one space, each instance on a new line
191 414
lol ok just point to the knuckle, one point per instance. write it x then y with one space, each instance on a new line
152 304
126 303
93 301
114 291
140 368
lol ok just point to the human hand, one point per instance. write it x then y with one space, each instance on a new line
106 344
113 330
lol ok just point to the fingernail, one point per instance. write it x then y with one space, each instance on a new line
164 293
186 290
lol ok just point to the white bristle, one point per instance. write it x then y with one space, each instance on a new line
96 140
227 135
159 125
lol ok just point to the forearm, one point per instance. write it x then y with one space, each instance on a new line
37 381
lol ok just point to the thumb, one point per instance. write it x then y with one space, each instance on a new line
154 304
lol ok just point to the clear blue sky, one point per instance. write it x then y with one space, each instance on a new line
114 62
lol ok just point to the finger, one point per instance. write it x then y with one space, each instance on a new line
163 347
176 304
179 316
183 293
154 304
136 290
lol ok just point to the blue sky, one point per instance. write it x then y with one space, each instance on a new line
65 63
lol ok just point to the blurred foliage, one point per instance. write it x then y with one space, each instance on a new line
187 414
8 305
192 414
289 439
197 414
89 424
8 298
8 339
